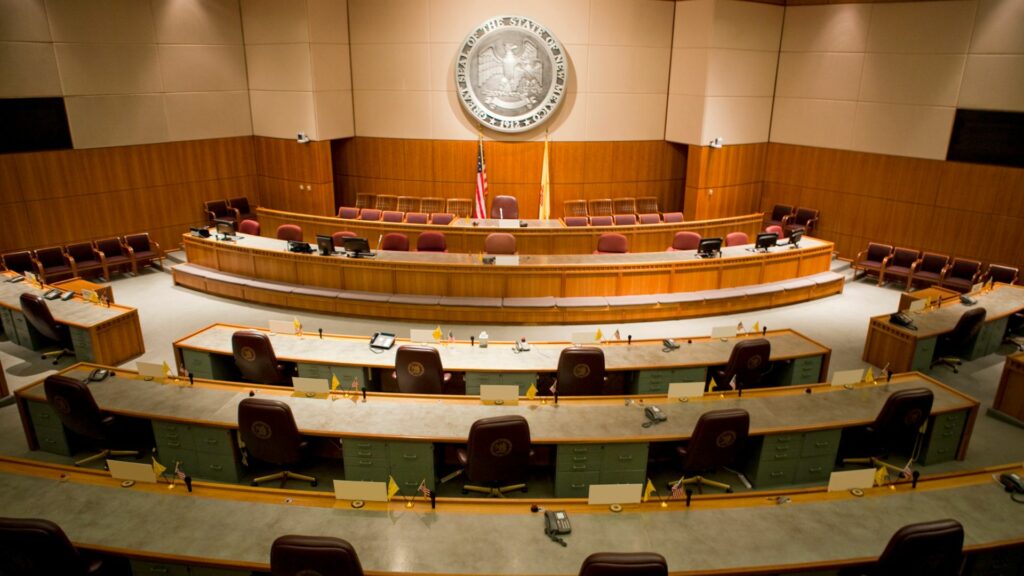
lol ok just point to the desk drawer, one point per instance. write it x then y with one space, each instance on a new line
409 481
781 447
815 469
7 319
345 374
366 473
923 353
28 336
173 435
806 370
823 443
363 453
410 454
214 440
476 379
637 476
624 457
168 457
217 467
43 416
521 379
768 474
575 484
657 381
146 568
198 363
578 457
54 441
944 438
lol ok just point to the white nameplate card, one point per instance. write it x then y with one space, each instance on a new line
848 480
311 385
615 494
500 394
977 287
357 490
131 471
844 377
150 369
506 260
685 389
723 331
918 305
508 223
422 336
282 326
580 338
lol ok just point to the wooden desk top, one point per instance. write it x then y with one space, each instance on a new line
1002 300
814 529
75 312
501 356
448 418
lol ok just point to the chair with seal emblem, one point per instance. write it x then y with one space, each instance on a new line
78 412
896 429
716 441
418 370
255 358
292 555
268 433
581 371
932 548
748 362
33 546
496 459
505 207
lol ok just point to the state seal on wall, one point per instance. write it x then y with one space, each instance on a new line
511 73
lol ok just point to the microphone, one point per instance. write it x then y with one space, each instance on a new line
501 213
472 340
321 332
915 476
689 494
188 483
379 240
191 379
629 340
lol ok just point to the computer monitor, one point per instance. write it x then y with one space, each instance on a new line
709 247
225 227
356 246
766 240
325 244
795 236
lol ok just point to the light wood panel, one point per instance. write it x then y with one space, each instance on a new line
723 182
447 169
294 176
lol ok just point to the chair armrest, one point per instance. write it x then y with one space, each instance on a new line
885 261
913 267
787 218
811 224
130 250
156 248
860 256
210 216
945 272
99 254
39 269
238 215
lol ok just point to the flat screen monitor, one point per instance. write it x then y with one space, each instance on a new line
766 240
325 244
795 236
709 246
225 227
356 246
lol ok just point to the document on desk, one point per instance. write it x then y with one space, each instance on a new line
508 223
844 377
917 305
131 471
282 326
686 389
581 338
150 370
500 394
506 260
311 385
358 490
615 494
723 331
421 336
850 479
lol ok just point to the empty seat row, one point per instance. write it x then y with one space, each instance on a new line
910 265
233 209
461 207
790 218
396 216
623 219
86 259
610 207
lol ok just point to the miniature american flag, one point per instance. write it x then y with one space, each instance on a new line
423 488
178 471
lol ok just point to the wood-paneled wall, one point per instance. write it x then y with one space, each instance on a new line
51 198
968 210
447 169
723 182
293 176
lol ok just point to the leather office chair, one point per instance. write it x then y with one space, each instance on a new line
718 438
506 207
408 204
442 218
392 216
77 411
600 207
241 205
806 218
612 243
647 205
574 208
604 220
255 358
395 241
364 200
113 256
431 242
85 262
778 215
573 221
896 429
52 264
294 555
35 547
19 262
996 273
385 202
872 260
775 229
685 240
929 269
497 455
500 243
461 207
370 214
267 429
961 275
923 549
338 238
144 250
290 232
348 212
672 217
250 227
949 345
624 564
624 206
748 363
900 265
418 370
417 218
736 239
581 371
625 219
429 205
650 218
219 210
37 314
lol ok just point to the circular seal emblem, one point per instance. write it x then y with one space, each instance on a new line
60 404
511 73
913 418
261 430
581 370
415 369
725 439
754 362
248 354
501 447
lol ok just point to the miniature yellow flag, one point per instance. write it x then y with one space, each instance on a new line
158 468
599 335
757 326
167 369
392 487
298 325
335 384
437 333
648 490
869 375
881 476
531 392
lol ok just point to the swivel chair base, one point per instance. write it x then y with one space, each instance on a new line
59 355
284 476
493 491
951 361
103 455
701 481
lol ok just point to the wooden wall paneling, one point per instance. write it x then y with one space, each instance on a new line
599 162
455 160
567 163
11 189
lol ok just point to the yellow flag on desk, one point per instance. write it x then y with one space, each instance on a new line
392 487
988 285
757 326
648 490
599 335
158 468
531 392
335 384
167 369
298 325
881 476
869 375
437 333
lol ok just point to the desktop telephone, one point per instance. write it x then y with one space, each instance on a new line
967 300
67 296
522 345
1012 483
382 340
556 523
52 294
655 415
16 279
200 232
299 247
97 375
901 319
668 345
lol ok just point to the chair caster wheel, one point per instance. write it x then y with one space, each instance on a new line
313 483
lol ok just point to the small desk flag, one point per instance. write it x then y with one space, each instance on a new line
166 369
617 335
335 383
757 326
437 333
423 488
531 392
869 375
355 384
392 487
648 490
599 335
739 327
881 476
298 325
158 468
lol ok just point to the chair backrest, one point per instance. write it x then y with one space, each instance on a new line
685 240
372 214
904 257
505 207
418 370
219 208
964 269
749 361
110 247
81 252
337 238
385 202
21 262
408 204
428 205
241 204
54 256
500 243
442 218
33 546
289 232
575 221
581 371
141 243
624 564
968 326
932 262
997 272
348 212
625 219
612 243
392 216
364 200
395 241
878 252
897 424
650 218
605 220
624 206
498 450
417 217
924 549
268 430
736 239
75 407
804 216
780 211
250 227
717 439
600 207
462 207
255 358
431 242
293 555
574 208
672 217
647 204
775 229
37 313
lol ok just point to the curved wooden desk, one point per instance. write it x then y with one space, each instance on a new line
538 237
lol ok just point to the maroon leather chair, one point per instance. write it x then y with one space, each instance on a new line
497 455
612 243
923 549
219 210
392 216
290 232
950 346
372 214
255 359
778 215
996 273
571 221
431 242
602 220
624 564
717 439
77 411
348 212
143 251
250 227
736 239
113 256
33 546
85 262
961 275
418 370
395 241
241 205
500 243
625 219
417 218
806 218
338 237
441 218
928 269
506 207
52 264
19 262
37 314
672 217
872 260
267 428
895 430
685 240
294 555
581 371
748 362
900 265
650 218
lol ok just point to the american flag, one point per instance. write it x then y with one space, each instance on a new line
677 489
355 384
423 488
178 471
480 208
